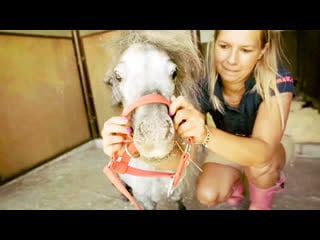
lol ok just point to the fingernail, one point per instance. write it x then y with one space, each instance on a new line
171 114
129 130
125 119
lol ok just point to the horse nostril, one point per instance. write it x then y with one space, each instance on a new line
168 129
142 129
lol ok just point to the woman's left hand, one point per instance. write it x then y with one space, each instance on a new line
188 121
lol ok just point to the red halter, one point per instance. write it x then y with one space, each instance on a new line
121 164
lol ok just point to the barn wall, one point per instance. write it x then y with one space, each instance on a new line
42 110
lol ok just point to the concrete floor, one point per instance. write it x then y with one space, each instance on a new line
75 181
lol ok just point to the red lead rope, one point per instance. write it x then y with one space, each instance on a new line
121 164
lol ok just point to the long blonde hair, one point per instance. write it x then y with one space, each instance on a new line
265 71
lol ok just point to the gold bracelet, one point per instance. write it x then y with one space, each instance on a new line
207 138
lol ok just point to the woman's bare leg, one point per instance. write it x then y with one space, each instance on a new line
214 185
269 175
265 182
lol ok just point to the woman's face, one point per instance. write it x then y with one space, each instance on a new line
236 53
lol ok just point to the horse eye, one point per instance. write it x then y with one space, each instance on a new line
174 74
117 76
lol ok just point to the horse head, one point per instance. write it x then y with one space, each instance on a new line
153 62
144 69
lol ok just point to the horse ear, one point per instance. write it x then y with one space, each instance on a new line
116 94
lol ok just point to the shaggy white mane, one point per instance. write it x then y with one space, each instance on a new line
177 44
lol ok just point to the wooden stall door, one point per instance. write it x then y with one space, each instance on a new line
42 110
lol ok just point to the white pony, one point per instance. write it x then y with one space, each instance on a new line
149 67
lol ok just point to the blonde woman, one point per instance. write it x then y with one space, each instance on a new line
248 94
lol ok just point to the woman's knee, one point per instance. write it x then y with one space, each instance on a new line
208 195
214 185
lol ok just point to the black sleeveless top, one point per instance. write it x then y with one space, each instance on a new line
239 121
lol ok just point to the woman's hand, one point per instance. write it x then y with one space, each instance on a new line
114 134
188 121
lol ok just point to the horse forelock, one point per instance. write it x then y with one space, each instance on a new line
177 44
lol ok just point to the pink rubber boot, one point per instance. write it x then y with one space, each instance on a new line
261 199
237 194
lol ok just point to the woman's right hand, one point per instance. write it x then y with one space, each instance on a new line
114 134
